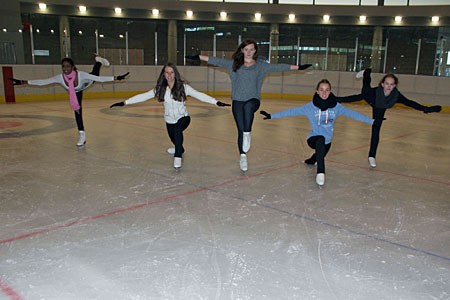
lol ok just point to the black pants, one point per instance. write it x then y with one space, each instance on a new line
377 113
79 114
243 113
317 142
175 132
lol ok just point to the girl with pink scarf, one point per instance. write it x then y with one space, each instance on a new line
75 82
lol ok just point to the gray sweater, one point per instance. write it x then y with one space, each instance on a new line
246 82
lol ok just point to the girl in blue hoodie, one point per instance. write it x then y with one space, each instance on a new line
322 113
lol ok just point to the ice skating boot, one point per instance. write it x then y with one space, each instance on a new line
246 143
81 138
320 179
243 163
177 163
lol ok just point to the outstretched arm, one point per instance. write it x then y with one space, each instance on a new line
190 91
136 99
349 99
18 81
197 57
355 115
417 106
41 82
290 112
301 67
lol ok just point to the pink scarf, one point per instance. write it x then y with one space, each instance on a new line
70 78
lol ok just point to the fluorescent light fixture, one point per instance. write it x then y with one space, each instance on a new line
326 18
102 35
292 17
398 19
82 8
189 13
155 12
42 6
223 14
258 16
362 18
118 10
435 19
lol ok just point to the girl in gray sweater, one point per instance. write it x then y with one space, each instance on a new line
247 73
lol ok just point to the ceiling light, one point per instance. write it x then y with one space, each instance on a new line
189 13
362 18
118 10
326 18
258 16
223 14
291 17
155 12
82 8
435 19
42 6
398 19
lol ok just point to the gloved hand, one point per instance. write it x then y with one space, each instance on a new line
121 77
304 67
193 57
117 104
265 114
431 109
378 122
222 104
17 81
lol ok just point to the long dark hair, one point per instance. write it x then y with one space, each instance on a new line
178 92
70 61
238 56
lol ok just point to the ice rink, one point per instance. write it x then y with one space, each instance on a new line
113 220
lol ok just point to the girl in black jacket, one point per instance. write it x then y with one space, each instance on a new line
381 98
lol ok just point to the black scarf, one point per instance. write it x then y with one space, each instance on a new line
382 101
330 102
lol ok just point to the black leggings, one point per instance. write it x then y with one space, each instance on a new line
79 114
175 132
243 113
317 142
377 113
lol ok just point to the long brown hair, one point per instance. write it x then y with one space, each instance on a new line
238 56
178 92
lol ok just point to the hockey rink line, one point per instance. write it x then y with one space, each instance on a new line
211 188
139 206
9 291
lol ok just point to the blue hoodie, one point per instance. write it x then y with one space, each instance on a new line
322 121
